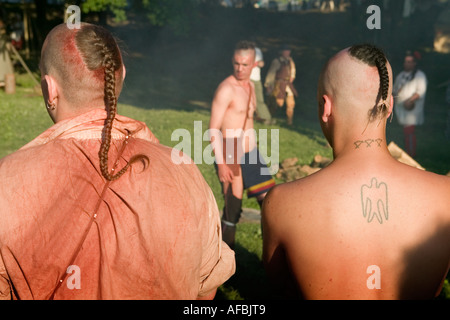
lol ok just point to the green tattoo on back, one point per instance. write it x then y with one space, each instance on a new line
374 201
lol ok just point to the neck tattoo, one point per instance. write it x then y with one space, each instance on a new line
369 143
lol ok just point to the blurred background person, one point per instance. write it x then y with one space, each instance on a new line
410 88
279 83
262 111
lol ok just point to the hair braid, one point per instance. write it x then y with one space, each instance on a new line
375 57
111 108
100 50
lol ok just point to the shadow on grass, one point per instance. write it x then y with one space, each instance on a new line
249 282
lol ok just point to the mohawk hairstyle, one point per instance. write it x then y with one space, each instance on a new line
375 57
245 45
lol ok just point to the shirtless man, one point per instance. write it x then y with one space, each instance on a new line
232 112
366 226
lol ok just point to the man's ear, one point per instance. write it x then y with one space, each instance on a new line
391 104
327 108
52 87
124 72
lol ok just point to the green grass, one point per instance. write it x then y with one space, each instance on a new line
170 84
24 117
298 141
249 281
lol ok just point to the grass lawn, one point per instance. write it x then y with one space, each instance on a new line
171 80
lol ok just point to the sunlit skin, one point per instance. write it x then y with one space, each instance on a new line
228 112
318 239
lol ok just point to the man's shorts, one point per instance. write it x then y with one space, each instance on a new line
253 168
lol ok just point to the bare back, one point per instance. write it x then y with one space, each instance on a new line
357 229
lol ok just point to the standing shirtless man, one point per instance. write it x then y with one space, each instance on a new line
238 161
366 226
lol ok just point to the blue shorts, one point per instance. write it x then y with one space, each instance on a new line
253 168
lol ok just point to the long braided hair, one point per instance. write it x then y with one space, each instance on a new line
101 54
374 56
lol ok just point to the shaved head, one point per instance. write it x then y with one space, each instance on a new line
74 58
359 81
83 70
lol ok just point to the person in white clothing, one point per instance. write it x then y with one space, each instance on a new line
410 89
447 99
262 111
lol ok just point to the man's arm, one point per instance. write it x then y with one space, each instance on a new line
218 261
222 100
293 70
259 58
274 255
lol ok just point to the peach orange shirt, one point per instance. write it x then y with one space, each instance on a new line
66 234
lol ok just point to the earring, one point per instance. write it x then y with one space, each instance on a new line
51 105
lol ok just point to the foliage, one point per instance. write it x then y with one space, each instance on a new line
173 13
445 293
117 7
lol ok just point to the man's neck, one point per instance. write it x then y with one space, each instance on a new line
243 82
66 111
366 146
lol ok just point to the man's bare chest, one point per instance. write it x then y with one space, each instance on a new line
243 101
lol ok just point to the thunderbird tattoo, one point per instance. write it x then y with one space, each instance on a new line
374 200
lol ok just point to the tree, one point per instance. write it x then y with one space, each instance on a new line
117 7
174 13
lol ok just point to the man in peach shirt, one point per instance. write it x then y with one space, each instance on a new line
366 226
94 207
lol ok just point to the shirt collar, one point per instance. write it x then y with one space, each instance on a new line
90 125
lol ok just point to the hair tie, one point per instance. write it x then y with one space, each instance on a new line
385 103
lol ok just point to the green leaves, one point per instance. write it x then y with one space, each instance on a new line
176 14
117 7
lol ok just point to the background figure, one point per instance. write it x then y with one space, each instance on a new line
279 83
6 66
238 162
447 99
366 226
410 89
326 3
262 111
95 207
17 32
